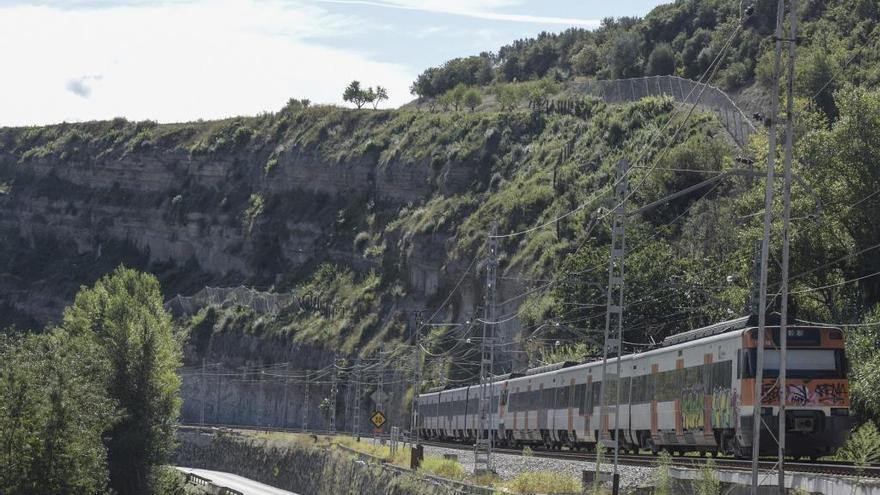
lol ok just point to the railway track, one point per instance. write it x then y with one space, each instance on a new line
824 467
831 468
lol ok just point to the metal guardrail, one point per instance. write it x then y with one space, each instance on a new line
740 127
195 479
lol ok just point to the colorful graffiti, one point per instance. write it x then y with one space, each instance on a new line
722 413
692 410
808 394
723 408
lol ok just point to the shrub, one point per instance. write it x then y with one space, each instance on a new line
708 482
662 477
445 468
254 210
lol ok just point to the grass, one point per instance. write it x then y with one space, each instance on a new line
445 468
543 482
399 458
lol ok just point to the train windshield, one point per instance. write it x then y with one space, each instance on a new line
800 363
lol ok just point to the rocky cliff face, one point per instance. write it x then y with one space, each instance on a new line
79 199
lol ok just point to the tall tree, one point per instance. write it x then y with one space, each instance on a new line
55 411
124 315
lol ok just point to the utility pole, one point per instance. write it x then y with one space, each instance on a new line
357 401
204 387
286 386
333 390
348 401
786 220
483 446
305 410
380 382
765 253
217 399
417 379
614 311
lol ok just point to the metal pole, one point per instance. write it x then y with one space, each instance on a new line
417 381
305 410
483 446
217 399
204 387
333 391
286 386
357 401
614 310
786 220
765 254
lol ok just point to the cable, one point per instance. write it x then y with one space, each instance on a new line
812 289
713 67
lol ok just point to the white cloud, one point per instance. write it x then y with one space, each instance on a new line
176 61
487 10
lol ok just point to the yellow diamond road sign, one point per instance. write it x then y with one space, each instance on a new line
378 419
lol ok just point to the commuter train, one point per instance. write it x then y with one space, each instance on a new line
695 392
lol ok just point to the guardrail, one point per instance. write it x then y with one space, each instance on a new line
213 488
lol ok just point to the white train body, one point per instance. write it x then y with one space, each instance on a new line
694 393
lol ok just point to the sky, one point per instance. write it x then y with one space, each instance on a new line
183 60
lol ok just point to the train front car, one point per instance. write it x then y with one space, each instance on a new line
817 391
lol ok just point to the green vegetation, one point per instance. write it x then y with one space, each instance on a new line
445 468
97 397
662 477
862 448
359 96
683 38
708 482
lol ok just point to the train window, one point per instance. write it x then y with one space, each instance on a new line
738 363
801 363
721 375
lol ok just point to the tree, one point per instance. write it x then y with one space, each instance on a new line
124 316
539 92
355 94
586 61
458 93
472 99
55 412
661 62
624 55
507 95
380 95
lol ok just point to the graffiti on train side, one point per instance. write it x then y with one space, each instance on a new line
808 394
723 408
722 411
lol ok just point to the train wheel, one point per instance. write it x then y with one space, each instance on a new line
653 447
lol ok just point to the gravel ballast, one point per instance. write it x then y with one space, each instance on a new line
509 466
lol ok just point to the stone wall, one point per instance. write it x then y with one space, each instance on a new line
303 469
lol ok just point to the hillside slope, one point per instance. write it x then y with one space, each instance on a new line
377 214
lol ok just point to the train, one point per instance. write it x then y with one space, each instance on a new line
692 393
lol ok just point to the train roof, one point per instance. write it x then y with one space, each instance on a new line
550 367
740 323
